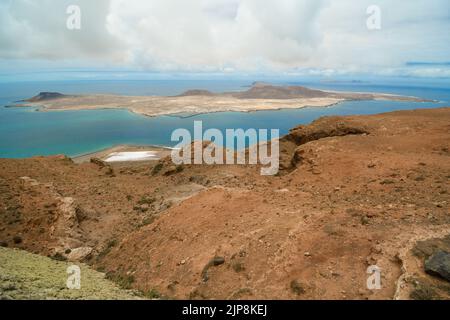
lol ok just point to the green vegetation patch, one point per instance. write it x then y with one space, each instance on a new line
24 275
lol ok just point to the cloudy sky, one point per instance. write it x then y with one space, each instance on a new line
324 37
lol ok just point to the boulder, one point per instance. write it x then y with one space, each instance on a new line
98 162
439 265
217 261
79 254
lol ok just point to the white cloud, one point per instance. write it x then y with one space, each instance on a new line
37 29
230 35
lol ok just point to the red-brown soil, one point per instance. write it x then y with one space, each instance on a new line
353 191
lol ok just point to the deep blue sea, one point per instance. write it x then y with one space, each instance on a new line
25 132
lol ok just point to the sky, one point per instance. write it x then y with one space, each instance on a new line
231 37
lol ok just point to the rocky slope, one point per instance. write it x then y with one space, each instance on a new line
353 191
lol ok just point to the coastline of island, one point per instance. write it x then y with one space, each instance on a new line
259 97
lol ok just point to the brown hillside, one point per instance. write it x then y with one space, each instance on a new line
353 191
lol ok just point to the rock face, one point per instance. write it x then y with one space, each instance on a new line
216 261
66 227
439 265
324 127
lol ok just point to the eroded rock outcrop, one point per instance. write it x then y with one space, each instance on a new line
292 150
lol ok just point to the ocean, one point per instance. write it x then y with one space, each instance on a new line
26 132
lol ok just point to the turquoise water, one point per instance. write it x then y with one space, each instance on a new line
26 132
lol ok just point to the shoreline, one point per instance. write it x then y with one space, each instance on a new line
43 108
255 106
260 97
104 151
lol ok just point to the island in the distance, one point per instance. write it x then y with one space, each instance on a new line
260 96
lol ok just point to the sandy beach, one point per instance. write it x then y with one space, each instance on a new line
125 153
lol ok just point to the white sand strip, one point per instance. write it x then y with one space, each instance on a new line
131 156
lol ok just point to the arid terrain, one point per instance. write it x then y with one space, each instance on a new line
352 192
260 96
